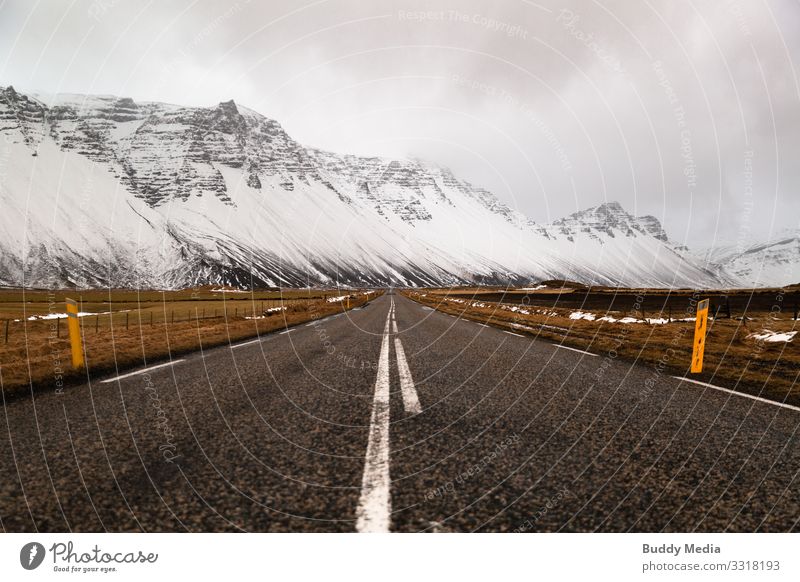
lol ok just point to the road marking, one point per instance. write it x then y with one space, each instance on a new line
287 331
142 371
410 398
312 323
575 350
721 389
255 341
482 324
512 333
541 325
394 325
374 505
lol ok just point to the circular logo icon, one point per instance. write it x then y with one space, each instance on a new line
31 555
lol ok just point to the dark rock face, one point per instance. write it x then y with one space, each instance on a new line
22 113
606 219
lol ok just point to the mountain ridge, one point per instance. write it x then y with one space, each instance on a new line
172 196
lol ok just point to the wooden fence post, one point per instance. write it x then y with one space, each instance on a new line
96 323
126 319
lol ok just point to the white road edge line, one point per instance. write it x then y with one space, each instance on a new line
721 389
410 398
287 331
375 503
575 350
512 333
142 371
255 341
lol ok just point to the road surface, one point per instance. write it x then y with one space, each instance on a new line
395 417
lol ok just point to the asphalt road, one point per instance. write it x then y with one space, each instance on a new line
395 417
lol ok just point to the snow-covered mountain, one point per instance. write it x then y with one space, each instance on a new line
100 190
773 263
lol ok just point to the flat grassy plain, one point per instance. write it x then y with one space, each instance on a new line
123 329
734 357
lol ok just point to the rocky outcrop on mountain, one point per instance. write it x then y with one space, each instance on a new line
105 190
19 113
609 220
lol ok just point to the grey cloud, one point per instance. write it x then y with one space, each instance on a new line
555 106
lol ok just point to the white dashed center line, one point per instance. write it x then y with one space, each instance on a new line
410 398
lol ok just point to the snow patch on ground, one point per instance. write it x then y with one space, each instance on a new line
61 315
335 299
588 316
270 310
772 336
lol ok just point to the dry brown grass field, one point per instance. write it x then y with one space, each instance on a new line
734 357
125 329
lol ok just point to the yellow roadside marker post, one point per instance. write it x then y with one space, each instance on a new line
74 333
700 336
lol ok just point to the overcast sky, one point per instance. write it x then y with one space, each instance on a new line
689 111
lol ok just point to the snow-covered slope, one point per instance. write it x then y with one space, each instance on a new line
99 190
773 263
